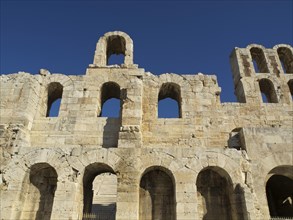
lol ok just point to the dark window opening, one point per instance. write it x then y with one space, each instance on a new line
99 192
157 196
259 60
169 101
290 84
214 191
116 45
110 100
286 59
55 91
39 195
279 190
268 92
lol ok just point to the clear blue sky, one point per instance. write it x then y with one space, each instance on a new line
184 37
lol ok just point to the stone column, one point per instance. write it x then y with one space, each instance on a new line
128 196
130 131
64 206
186 196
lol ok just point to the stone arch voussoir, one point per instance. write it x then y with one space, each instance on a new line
270 162
222 162
55 158
159 159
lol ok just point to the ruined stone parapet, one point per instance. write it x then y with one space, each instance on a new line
257 70
116 42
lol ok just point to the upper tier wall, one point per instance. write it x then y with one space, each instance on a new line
202 120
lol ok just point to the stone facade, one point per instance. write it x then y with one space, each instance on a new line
215 161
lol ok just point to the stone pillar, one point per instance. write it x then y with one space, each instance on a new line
64 206
12 205
127 196
186 195
130 131
243 76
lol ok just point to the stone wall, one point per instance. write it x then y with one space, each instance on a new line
214 160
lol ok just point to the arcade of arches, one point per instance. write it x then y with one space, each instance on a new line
216 194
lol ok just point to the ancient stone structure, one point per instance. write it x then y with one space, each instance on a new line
215 161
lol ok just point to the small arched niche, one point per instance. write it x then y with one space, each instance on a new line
279 191
40 192
286 59
268 91
169 101
54 96
110 100
116 46
112 45
157 195
259 60
99 191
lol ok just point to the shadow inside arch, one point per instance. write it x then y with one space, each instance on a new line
240 204
217 196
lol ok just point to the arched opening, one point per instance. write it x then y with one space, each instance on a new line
99 192
279 190
116 45
110 100
268 92
169 101
239 204
114 48
157 196
39 195
214 189
290 84
286 59
259 60
55 90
